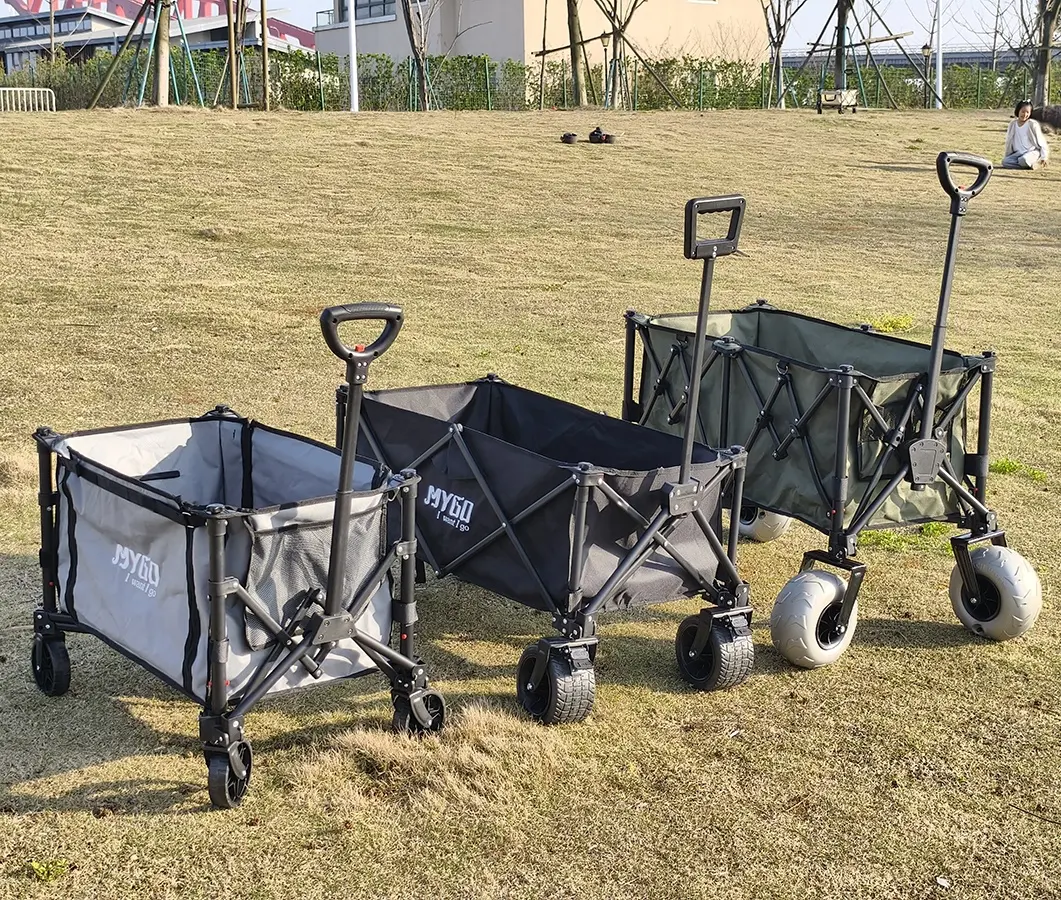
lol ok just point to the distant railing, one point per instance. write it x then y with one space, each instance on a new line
325 18
27 99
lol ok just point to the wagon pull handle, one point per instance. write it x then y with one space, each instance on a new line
697 249
334 316
960 196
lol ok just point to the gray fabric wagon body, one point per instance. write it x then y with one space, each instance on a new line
752 347
133 551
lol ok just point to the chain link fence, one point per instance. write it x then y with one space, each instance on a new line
311 81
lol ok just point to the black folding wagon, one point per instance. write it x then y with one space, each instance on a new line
846 429
233 560
573 513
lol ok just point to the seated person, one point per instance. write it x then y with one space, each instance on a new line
1026 148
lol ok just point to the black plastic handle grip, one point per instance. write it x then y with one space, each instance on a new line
697 249
334 316
960 195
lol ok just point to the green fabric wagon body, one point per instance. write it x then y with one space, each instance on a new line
766 368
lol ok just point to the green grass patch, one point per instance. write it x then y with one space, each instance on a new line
896 324
1006 466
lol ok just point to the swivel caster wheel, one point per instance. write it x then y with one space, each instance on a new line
725 661
564 695
227 789
404 722
805 621
1010 595
51 666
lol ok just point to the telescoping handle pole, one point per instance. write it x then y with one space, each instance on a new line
959 203
357 359
708 251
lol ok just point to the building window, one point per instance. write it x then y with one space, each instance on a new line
367 9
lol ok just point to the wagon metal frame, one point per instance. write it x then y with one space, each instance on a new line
922 468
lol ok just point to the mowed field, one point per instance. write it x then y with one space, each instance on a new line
154 265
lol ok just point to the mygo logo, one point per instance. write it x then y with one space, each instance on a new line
141 571
453 509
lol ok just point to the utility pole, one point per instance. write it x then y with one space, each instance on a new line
994 37
939 58
51 29
265 56
162 54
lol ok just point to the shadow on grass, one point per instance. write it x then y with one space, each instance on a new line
905 634
97 722
896 167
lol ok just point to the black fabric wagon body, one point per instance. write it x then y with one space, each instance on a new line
570 512
498 491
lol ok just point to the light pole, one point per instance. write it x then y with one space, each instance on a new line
926 52
351 36
605 39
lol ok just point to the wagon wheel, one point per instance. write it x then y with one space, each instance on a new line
1010 594
760 525
51 666
725 661
226 788
805 621
404 722
563 696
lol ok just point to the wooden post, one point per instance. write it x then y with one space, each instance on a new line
265 56
233 75
162 54
574 29
545 46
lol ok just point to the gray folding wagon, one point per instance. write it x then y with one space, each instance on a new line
833 419
209 551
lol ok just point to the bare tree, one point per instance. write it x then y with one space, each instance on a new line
418 15
1043 29
1029 29
778 15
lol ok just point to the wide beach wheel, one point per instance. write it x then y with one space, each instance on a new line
805 621
1009 596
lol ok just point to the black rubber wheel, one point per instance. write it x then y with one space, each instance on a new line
563 696
724 662
404 722
226 790
51 666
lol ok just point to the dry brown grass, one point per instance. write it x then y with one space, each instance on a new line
156 264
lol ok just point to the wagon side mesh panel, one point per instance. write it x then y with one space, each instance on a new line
786 385
287 563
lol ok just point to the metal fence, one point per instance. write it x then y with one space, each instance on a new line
27 99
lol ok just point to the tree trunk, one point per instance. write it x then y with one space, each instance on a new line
1047 27
574 32
162 55
419 51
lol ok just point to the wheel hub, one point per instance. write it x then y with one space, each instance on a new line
987 605
829 631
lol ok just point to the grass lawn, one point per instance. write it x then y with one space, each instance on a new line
157 264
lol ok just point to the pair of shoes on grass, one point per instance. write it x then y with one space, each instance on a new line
596 136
